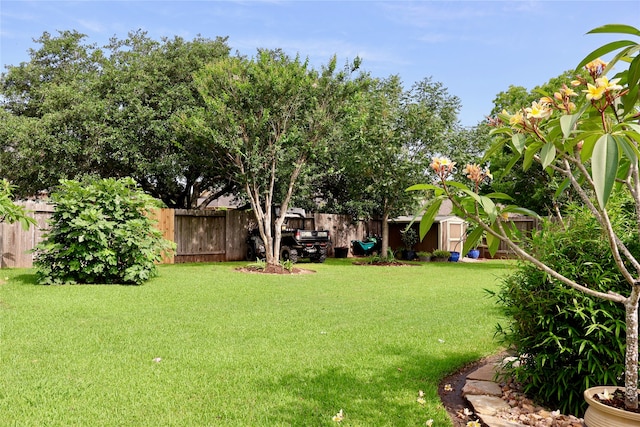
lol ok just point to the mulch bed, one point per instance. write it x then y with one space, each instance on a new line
616 401
273 269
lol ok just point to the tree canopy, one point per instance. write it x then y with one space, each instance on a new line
388 137
269 117
73 111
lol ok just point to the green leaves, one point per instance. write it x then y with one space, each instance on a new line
604 167
603 50
429 216
547 154
100 233
616 29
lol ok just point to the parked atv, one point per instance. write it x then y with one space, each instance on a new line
295 243
312 244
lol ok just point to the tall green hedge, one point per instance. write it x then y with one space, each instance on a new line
568 341
100 232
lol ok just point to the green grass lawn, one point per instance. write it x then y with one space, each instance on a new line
205 345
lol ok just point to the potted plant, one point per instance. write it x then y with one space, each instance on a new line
588 134
424 256
409 237
474 252
440 255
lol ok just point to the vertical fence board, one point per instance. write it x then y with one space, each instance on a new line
200 235
17 243
165 222
237 227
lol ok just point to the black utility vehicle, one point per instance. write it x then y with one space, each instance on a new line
295 243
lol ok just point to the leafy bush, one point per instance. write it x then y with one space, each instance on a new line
100 233
568 341
9 211
440 253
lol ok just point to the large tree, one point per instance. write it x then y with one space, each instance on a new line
55 113
389 138
271 116
75 110
145 85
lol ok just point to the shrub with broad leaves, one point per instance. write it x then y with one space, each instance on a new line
101 232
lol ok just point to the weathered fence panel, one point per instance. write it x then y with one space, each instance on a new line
343 229
200 235
238 225
16 243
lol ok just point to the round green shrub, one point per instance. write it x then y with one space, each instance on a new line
566 340
100 232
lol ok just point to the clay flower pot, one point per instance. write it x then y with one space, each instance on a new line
600 415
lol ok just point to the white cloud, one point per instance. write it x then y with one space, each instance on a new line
93 26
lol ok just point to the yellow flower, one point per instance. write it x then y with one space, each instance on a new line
338 417
472 171
487 173
516 119
608 85
475 423
594 93
442 165
545 100
429 423
538 110
566 91
447 387
576 83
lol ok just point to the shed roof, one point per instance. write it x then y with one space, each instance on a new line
444 214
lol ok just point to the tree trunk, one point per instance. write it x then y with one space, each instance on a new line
385 234
631 357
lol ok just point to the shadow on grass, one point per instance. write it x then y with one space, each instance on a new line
387 397
31 279
25 279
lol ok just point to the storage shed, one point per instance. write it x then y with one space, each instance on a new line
447 232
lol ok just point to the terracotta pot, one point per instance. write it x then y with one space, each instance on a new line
601 415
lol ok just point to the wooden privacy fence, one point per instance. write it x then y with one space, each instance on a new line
209 235
205 235
16 243
525 224
199 235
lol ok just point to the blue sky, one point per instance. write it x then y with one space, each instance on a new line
475 48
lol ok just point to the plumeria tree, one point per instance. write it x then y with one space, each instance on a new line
587 133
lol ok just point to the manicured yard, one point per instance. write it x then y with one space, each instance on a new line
205 345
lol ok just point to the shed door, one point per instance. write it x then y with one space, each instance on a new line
452 236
